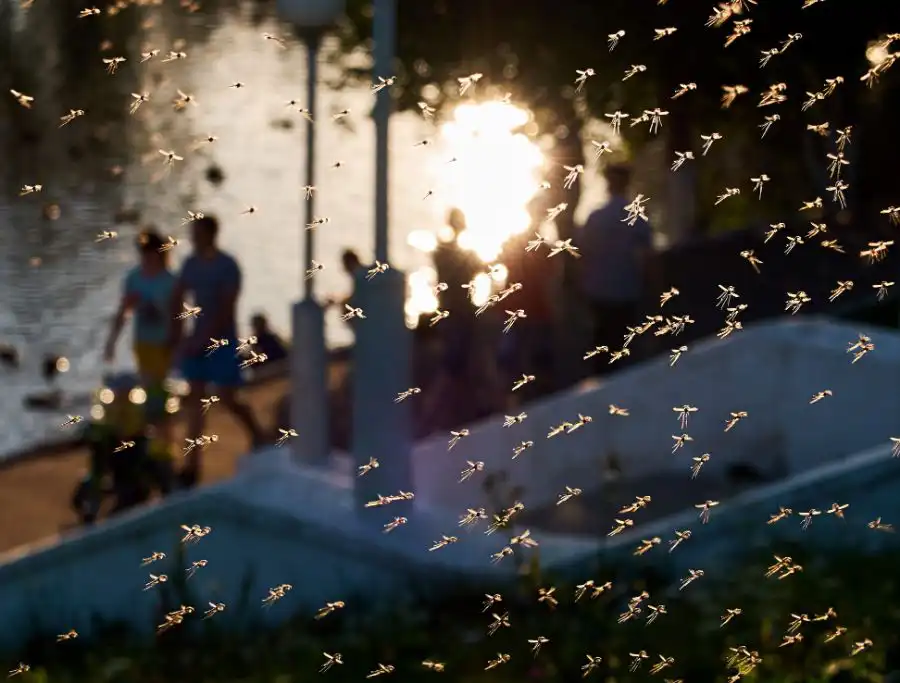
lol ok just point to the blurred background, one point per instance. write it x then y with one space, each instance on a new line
60 287
500 153
488 154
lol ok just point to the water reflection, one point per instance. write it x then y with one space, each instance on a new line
58 288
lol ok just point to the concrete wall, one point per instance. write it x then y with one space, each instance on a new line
251 548
770 370
275 523
869 482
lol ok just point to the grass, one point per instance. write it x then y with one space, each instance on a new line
450 627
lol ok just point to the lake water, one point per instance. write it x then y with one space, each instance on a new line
59 287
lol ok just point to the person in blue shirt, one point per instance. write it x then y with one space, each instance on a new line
147 295
211 280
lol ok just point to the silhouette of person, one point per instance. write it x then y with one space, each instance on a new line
212 280
614 263
267 341
450 395
529 343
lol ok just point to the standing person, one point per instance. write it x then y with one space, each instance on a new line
351 262
456 268
353 266
614 264
529 343
341 393
212 280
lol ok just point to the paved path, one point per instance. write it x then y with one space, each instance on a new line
35 492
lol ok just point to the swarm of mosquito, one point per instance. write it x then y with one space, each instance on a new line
733 14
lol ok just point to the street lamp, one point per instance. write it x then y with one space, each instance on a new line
309 357
381 357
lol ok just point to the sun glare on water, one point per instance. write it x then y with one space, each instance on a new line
493 175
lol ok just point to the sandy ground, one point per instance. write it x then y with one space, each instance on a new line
36 491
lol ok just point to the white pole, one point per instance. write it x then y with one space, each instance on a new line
313 39
381 357
309 356
384 30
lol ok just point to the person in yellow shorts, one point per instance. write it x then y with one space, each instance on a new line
153 362
147 296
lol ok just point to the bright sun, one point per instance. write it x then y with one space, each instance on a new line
493 176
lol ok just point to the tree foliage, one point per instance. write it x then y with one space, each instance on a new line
532 50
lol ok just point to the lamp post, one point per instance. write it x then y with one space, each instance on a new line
384 36
381 362
309 357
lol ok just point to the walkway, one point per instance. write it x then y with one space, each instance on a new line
36 491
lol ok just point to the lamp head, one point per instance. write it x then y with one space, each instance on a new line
311 14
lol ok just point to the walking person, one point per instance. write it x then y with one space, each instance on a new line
147 294
211 280
614 264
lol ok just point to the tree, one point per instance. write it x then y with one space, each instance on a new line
533 50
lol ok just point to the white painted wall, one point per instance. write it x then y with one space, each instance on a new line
868 481
770 370
275 523
98 573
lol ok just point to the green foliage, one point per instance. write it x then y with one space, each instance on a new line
450 627
532 50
